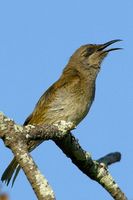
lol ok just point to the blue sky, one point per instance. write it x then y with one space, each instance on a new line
36 40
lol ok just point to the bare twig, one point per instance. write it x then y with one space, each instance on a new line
110 158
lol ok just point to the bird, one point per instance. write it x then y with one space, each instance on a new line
69 98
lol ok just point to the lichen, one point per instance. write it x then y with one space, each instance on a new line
18 128
64 126
3 127
28 127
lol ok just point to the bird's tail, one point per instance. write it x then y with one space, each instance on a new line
12 168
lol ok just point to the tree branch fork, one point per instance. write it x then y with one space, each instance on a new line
16 138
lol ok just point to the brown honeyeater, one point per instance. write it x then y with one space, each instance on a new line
70 97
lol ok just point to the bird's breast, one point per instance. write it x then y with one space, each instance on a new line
69 101
72 105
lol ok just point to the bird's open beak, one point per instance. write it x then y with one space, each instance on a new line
103 46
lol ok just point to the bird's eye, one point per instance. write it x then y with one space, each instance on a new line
87 52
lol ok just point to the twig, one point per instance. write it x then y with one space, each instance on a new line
110 158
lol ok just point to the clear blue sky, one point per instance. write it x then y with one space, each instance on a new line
36 40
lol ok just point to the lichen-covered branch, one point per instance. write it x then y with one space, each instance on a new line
13 136
96 170
93 169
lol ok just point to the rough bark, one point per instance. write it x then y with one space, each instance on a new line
16 138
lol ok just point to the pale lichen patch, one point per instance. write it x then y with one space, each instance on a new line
1 116
3 127
18 128
25 158
7 119
87 155
44 187
29 127
27 136
64 126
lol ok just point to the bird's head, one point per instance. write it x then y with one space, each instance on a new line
91 55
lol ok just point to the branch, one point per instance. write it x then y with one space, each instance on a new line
110 158
93 169
13 137
96 170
